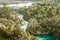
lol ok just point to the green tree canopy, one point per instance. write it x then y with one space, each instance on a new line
43 18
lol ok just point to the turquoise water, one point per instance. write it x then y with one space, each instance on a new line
46 37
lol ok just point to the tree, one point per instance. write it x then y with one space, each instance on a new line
10 26
46 16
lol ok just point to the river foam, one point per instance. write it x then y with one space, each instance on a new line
24 23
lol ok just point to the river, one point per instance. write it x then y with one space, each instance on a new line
25 23
38 36
46 37
18 6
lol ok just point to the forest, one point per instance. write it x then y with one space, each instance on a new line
43 18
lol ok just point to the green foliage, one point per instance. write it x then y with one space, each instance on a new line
7 25
38 10
10 26
47 16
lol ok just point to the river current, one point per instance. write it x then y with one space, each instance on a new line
38 36
25 23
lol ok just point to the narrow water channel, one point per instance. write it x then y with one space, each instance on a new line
24 23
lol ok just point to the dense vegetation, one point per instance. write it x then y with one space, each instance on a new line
10 26
44 18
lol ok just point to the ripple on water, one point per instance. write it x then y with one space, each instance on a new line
46 37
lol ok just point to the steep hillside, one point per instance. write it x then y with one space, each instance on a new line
10 26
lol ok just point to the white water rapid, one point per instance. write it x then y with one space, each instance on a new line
18 6
24 23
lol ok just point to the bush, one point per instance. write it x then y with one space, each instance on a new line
46 16
10 26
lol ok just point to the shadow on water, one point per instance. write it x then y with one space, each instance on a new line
46 37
